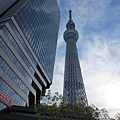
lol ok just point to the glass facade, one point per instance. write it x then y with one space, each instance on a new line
39 21
2 106
11 93
19 51
22 41
17 48
28 40
5 67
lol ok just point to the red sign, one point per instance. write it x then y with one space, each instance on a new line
5 98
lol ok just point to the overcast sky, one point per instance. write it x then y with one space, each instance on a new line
98 24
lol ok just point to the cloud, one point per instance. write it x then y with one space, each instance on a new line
58 77
98 47
101 72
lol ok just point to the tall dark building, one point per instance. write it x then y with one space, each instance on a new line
28 39
73 82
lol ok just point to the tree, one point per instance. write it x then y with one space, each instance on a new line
117 116
48 106
54 107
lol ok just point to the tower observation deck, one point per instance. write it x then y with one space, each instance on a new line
73 82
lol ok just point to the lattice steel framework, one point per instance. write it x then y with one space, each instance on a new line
73 82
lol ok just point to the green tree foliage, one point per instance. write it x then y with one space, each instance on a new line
55 108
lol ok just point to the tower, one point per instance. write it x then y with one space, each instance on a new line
73 81
28 40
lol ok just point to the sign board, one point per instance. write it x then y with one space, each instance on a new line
4 98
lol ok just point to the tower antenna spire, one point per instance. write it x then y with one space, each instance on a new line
72 72
70 14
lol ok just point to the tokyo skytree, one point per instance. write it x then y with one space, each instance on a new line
73 82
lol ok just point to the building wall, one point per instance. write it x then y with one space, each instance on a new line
28 45
38 20
5 4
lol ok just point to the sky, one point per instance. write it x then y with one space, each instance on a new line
98 24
